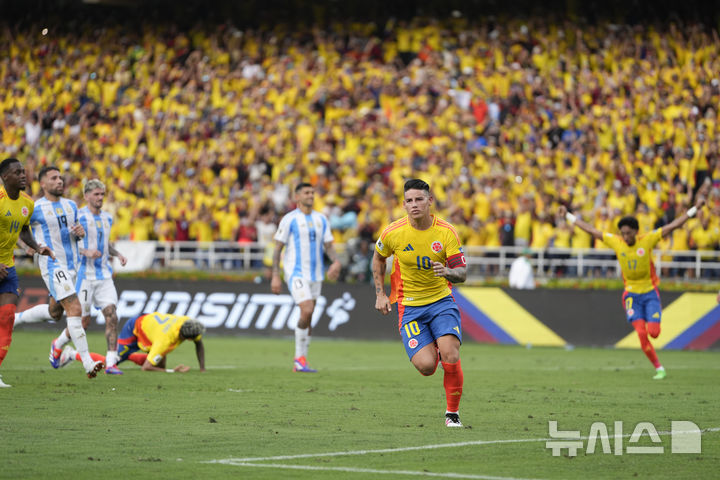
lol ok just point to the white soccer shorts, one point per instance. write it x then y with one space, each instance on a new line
61 283
303 290
101 293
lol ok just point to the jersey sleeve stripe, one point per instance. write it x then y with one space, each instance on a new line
393 226
442 223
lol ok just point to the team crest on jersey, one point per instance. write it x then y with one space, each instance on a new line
380 245
59 211
412 343
99 224
640 252
436 246
631 312
25 212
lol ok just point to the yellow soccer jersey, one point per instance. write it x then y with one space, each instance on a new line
14 215
412 280
159 334
636 262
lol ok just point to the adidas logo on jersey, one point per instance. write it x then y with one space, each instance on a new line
409 248
8 214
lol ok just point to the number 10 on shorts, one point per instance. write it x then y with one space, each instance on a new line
412 329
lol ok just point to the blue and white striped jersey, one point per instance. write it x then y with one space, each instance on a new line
97 236
51 222
304 237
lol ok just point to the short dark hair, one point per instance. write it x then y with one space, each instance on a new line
5 165
629 222
301 186
45 170
416 184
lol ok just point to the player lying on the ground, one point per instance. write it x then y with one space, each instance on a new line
147 340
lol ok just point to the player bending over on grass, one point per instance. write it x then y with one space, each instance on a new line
147 340
428 259
641 297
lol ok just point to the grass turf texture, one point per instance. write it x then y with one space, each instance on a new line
366 396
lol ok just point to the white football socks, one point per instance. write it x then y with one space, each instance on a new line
77 333
62 339
111 359
36 314
302 341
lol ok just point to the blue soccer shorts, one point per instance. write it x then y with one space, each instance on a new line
127 341
10 284
642 306
422 325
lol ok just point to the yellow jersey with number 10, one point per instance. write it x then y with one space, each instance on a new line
412 280
636 263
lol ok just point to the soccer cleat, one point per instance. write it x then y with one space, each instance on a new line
113 370
95 369
54 355
659 373
300 365
3 384
452 420
67 356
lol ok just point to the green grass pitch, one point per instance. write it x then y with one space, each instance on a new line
366 414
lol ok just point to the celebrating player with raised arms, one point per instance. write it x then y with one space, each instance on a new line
641 298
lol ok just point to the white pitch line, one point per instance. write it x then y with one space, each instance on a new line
370 470
383 450
428 447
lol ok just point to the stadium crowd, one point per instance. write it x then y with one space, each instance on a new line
202 133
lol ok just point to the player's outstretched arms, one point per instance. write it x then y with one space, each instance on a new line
679 221
573 220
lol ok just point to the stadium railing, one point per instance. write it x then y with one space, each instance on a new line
483 262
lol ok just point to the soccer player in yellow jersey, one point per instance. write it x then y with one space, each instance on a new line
147 340
16 207
641 298
428 259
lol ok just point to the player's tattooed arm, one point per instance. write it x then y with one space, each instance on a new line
452 275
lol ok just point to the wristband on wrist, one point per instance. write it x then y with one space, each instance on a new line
692 211
570 218
169 370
